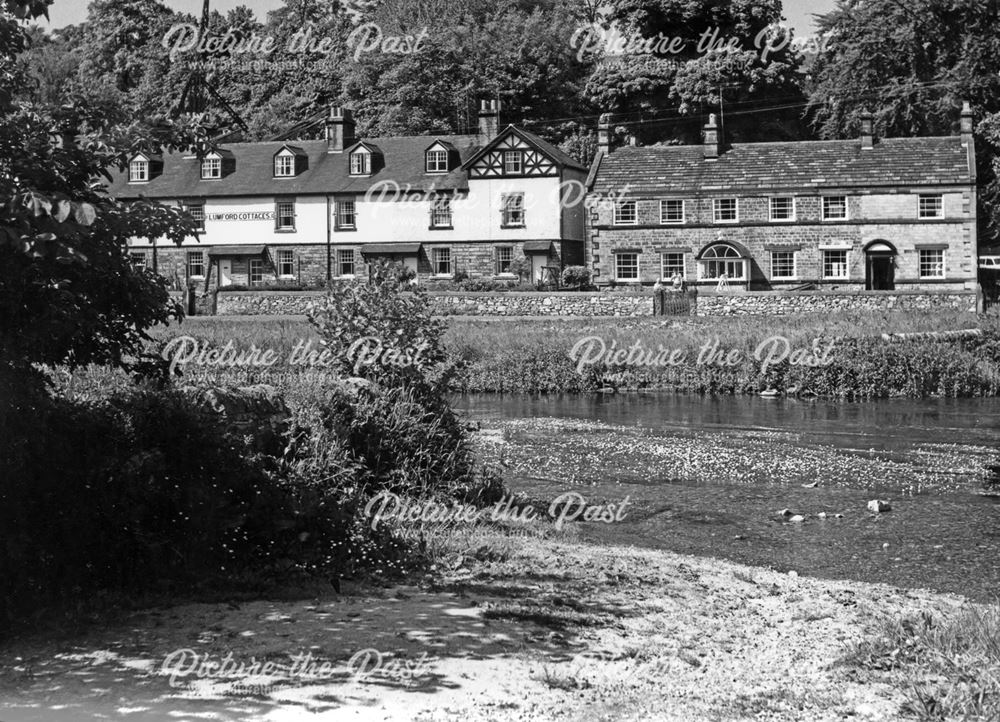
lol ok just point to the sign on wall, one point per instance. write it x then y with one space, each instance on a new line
249 216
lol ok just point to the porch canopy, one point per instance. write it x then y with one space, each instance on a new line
537 246
390 249
240 251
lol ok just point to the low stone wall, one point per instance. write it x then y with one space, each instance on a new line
526 303
769 303
622 304
456 303
264 303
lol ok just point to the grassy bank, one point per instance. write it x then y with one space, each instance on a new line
534 355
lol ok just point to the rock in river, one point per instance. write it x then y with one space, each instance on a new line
878 506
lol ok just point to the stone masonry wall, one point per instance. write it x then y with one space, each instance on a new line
764 303
619 304
457 303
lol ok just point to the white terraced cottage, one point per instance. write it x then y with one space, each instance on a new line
312 211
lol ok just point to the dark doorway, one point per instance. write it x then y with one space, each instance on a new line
881 275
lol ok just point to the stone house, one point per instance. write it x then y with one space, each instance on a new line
309 212
865 214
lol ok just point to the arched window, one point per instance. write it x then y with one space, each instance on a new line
722 258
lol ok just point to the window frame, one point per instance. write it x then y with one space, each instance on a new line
366 163
663 205
283 158
191 255
436 254
441 213
428 164
342 261
340 213
133 259
199 216
825 215
793 210
939 197
138 163
211 168
847 264
717 210
725 262
619 256
509 211
513 155
498 260
921 264
664 276
617 218
280 261
795 266
251 263
278 217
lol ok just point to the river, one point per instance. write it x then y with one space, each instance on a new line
708 476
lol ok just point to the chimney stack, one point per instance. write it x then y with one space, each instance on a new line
604 134
489 120
968 122
867 131
712 140
339 129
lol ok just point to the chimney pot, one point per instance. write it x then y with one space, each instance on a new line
340 129
867 131
604 134
489 120
968 119
712 142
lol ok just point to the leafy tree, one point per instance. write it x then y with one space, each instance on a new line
468 50
67 291
912 64
701 54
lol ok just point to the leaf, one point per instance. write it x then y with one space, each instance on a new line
85 214
63 209
40 205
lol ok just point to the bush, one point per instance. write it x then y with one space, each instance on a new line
576 277
136 492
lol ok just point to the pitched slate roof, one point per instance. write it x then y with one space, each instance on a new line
788 165
326 172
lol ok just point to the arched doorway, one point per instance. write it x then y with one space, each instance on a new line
880 266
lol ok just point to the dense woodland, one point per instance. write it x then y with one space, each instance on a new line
911 64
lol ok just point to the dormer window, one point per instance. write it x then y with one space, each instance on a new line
284 165
290 161
211 168
138 171
437 161
361 163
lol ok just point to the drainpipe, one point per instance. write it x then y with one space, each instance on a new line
329 240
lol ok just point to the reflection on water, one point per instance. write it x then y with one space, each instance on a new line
707 475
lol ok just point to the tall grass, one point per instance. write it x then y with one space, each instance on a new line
948 665
533 356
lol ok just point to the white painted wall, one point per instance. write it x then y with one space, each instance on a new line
310 223
475 216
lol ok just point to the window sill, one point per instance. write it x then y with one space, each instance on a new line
440 228
345 229
783 220
671 223
727 223
505 227
284 230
